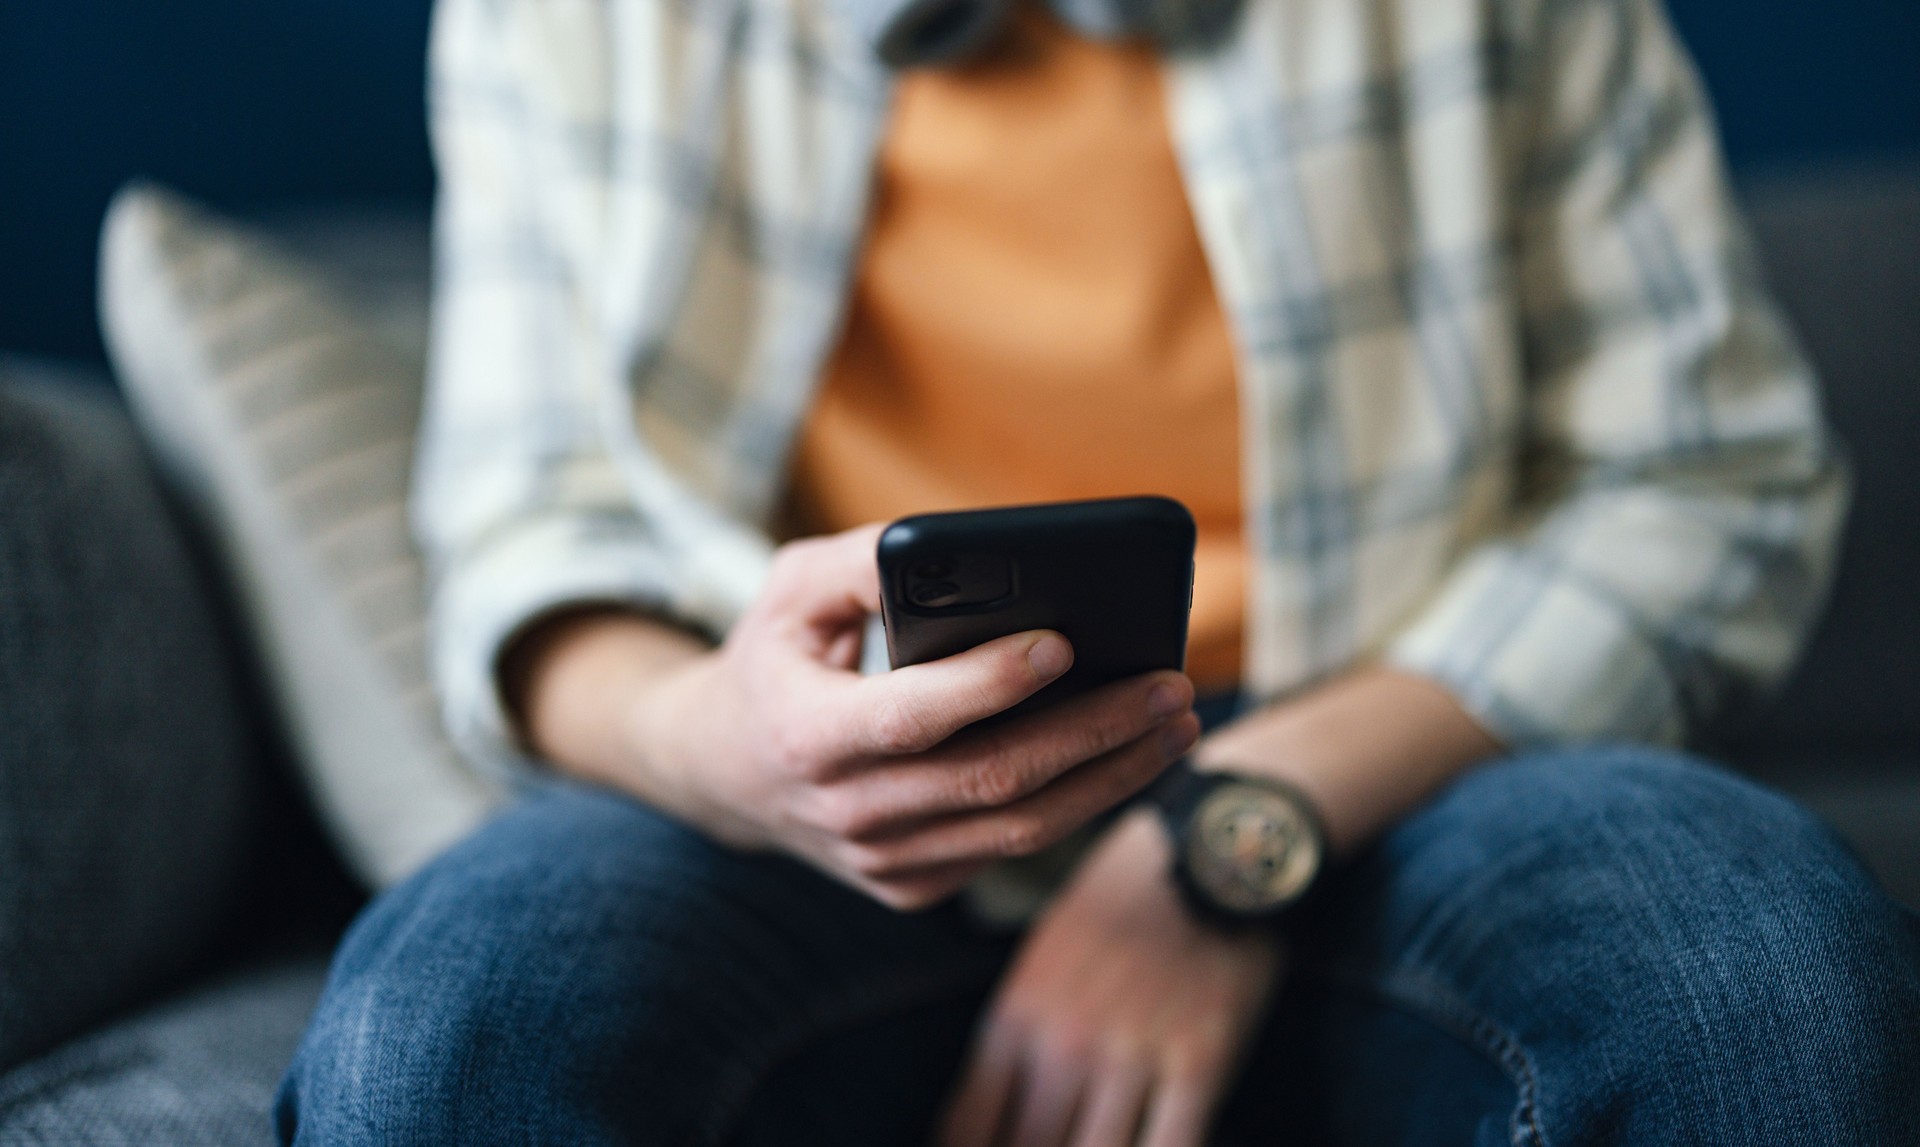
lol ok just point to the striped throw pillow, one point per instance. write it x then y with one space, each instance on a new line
287 416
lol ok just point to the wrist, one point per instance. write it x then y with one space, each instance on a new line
1366 748
663 761
531 672
586 683
1136 852
1132 866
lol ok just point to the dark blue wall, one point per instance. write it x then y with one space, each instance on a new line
247 103
258 103
1803 82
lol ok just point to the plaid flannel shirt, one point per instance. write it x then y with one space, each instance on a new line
1518 413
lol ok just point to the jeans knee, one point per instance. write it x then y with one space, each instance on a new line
1711 929
1611 804
575 945
467 1000
1648 848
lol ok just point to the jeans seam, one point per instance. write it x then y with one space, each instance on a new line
1428 999
846 1009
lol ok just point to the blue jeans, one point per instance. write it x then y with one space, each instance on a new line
1596 946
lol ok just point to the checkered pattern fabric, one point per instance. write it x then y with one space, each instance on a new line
1519 415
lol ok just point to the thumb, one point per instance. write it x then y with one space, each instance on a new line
829 581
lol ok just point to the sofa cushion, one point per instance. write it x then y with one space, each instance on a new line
201 1068
287 416
127 772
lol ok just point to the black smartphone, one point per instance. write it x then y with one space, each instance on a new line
1115 576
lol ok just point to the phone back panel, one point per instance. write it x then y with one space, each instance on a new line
1115 576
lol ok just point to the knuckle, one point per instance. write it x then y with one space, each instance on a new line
1022 1008
1125 1051
904 896
900 729
991 784
912 899
968 703
836 812
866 860
1021 836
890 897
1091 734
1200 1056
1090 739
887 894
861 820
1128 704
1066 1040
796 748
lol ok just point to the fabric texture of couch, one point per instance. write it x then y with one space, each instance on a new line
124 767
153 847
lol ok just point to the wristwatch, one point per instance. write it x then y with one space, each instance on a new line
1246 849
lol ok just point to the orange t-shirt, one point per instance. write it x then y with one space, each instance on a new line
1032 318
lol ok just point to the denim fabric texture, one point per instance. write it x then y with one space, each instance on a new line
1607 945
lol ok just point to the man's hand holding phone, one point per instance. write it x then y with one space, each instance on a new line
774 740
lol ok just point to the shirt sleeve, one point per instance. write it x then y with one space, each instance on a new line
1682 494
519 500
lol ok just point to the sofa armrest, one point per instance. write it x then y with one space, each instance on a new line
127 771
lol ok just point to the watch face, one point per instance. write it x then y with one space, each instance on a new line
1250 849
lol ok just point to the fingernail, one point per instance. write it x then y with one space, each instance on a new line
1050 656
1178 738
1163 701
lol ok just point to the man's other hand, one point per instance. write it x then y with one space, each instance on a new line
1122 1020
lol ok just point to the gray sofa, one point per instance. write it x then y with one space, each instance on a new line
172 902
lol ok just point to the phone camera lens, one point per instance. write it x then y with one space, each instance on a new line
934 569
935 593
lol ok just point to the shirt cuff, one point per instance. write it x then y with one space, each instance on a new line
484 602
1539 655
